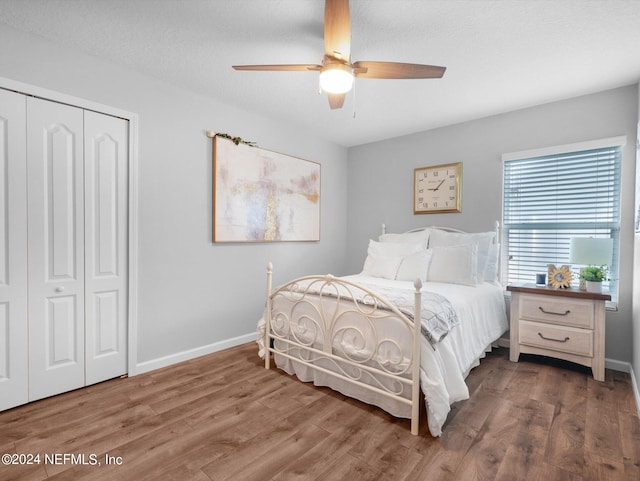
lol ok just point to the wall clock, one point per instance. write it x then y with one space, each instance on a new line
437 189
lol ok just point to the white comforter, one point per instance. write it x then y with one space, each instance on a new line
482 320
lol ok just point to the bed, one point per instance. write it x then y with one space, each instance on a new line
356 334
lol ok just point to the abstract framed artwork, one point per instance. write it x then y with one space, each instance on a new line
263 196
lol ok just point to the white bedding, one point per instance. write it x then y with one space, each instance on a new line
482 320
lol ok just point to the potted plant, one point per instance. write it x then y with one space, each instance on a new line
594 275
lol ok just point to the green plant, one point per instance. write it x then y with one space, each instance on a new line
594 273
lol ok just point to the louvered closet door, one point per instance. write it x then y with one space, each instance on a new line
106 167
56 247
13 251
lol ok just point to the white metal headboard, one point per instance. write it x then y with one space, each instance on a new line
448 229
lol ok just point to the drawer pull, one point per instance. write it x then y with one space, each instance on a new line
554 313
551 339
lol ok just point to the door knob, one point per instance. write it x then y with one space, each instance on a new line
59 289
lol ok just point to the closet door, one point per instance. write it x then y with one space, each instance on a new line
56 247
13 251
106 167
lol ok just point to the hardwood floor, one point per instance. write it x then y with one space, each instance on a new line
223 416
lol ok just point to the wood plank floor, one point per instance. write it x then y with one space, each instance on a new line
223 417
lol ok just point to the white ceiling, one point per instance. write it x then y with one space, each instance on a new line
500 55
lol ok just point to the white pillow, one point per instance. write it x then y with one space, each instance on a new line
390 249
454 264
414 266
386 267
484 240
393 248
419 237
491 271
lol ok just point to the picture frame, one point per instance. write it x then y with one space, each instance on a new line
437 189
263 196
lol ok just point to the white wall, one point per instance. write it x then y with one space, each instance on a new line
381 177
635 363
193 294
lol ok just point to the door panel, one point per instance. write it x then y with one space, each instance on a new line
107 329
61 342
106 167
61 217
56 247
13 251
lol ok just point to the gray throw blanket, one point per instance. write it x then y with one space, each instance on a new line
438 315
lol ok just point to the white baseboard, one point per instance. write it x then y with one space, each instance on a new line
634 384
165 361
616 365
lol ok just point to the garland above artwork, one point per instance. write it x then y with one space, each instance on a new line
236 140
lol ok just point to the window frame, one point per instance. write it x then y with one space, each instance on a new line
560 150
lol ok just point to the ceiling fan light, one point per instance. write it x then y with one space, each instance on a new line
336 78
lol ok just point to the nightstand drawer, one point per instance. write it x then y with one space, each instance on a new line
558 310
557 338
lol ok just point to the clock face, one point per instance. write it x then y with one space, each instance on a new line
437 189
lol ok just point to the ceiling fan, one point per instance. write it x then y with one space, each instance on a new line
337 71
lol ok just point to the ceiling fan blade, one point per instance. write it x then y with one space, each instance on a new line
279 68
336 101
395 70
337 29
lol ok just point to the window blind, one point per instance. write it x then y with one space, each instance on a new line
551 198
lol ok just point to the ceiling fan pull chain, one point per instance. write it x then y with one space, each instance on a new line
354 100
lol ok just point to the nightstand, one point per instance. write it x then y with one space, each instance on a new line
566 324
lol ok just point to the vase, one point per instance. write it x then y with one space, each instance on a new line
593 286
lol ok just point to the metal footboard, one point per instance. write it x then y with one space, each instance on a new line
344 330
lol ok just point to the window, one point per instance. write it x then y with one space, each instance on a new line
551 195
